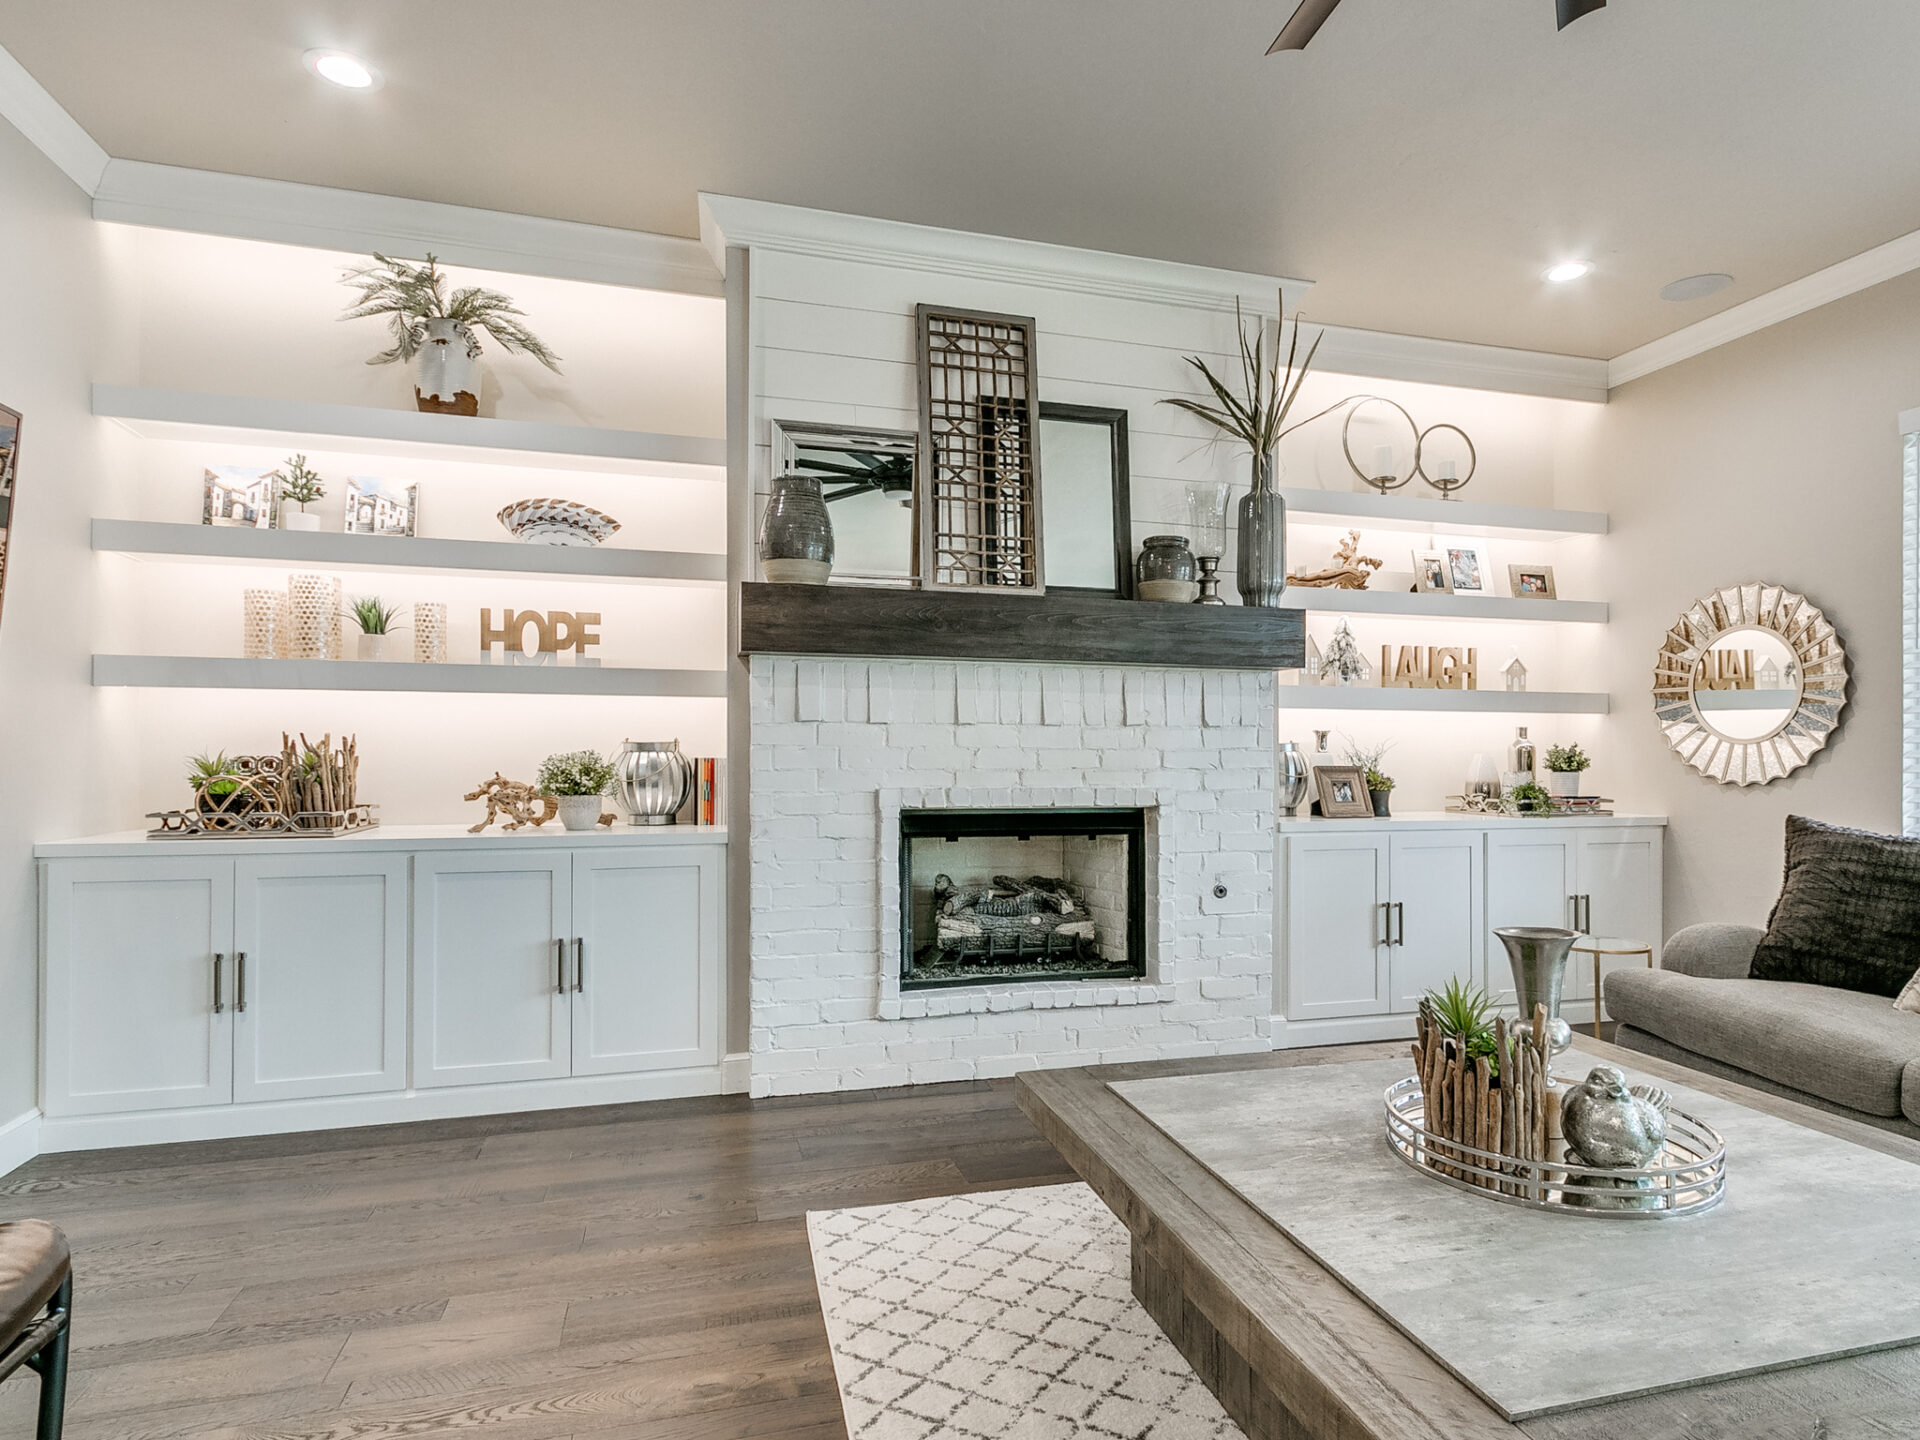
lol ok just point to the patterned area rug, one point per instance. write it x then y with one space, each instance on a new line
1000 1316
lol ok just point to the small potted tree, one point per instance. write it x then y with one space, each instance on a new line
577 779
376 621
439 328
1565 765
302 486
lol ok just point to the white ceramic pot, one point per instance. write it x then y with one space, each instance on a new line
579 812
371 647
1564 784
298 520
448 367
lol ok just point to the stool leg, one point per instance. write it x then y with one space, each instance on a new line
51 1362
1596 994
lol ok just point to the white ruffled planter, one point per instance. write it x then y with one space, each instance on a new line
579 812
447 381
1564 784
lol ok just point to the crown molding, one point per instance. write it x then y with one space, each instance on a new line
25 103
1810 292
247 207
727 220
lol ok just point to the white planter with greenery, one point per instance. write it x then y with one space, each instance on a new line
1566 765
577 779
375 618
299 486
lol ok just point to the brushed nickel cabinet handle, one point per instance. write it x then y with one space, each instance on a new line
219 1005
240 982
579 963
1386 922
559 967
1399 922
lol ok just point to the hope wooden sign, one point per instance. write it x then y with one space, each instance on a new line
555 631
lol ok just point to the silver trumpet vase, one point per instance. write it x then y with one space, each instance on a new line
1538 955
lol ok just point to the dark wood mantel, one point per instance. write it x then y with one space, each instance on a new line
875 622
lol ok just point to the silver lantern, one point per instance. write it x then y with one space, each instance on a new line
652 781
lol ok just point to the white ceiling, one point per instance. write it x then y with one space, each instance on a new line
1423 160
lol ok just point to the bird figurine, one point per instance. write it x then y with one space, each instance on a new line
1609 1126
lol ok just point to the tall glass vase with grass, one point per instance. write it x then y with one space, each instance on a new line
1256 417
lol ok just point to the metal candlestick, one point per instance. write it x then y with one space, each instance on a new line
1209 581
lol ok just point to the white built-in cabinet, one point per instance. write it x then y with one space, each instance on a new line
183 978
1372 914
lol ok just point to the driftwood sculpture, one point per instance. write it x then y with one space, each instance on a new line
1350 569
1514 1112
517 801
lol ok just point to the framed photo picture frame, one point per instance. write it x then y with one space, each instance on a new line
1342 792
1466 566
239 497
1430 574
1531 582
381 507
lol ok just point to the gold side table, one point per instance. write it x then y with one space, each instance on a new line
1598 946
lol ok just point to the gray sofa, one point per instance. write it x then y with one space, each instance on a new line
1840 1050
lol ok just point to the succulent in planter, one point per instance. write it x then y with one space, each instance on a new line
217 786
577 779
302 486
439 327
1466 1012
1530 798
376 621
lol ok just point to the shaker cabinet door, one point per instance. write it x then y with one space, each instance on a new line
1532 876
1621 882
324 941
490 969
132 984
1336 930
1436 896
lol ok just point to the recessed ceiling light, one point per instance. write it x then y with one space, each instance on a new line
1568 270
1696 287
348 71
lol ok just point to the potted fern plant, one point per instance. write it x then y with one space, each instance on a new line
577 779
302 486
1256 417
438 328
376 621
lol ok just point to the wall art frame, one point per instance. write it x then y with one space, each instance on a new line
1059 530
1531 582
1342 792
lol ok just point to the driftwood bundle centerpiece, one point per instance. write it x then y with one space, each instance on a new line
305 790
1501 1103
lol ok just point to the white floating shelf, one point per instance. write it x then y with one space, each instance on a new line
1400 511
365 552
242 419
1441 606
1508 702
197 672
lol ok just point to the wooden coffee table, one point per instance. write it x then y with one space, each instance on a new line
1293 1354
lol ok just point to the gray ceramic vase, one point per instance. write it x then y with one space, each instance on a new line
796 533
1262 576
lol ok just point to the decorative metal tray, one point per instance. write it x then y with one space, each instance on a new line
1688 1176
260 824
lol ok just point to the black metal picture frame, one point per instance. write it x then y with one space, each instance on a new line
1115 420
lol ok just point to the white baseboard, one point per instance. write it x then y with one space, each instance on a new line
1356 1029
736 1073
286 1117
19 1141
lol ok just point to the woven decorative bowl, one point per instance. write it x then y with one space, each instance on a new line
557 522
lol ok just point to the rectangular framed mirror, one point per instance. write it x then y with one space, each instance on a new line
1086 521
867 478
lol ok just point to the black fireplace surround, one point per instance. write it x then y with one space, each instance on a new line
1053 902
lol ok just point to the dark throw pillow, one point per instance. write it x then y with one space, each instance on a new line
1848 913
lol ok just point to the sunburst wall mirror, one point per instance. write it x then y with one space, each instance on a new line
1750 683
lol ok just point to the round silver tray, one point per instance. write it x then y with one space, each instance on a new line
1689 1174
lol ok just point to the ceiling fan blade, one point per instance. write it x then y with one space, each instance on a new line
1306 23
1572 10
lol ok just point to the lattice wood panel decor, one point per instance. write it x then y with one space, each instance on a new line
979 508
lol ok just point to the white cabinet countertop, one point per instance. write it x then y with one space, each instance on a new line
1445 819
385 837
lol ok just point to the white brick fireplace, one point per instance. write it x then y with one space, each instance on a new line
838 748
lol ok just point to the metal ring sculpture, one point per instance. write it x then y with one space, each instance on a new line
1381 483
1445 487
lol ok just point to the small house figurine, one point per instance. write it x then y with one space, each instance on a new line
1768 677
1516 674
1310 675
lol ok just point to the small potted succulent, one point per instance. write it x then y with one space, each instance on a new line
1530 798
1565 765
439 328
217 786
1367 758
1466 1012
303 487
376 621
577 779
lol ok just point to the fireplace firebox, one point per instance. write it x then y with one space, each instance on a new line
1020 896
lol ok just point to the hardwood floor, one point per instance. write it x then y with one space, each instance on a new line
635 1272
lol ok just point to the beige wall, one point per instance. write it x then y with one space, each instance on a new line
1774 458
54 774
